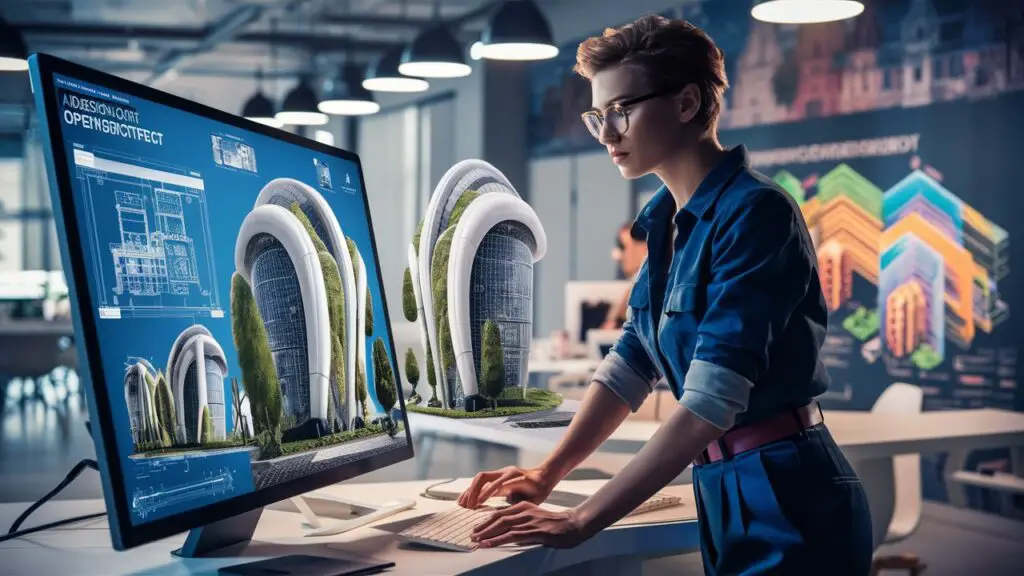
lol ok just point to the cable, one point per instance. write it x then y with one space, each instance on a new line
40 528
75 471
432 496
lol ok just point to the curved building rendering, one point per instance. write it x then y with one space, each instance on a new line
474 264
140 401
280 254
196 370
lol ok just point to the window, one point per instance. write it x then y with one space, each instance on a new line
918 72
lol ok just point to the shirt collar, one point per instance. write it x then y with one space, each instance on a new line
662 204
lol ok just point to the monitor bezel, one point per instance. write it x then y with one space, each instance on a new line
124 533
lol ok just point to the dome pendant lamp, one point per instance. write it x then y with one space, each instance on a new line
259 108
805 11
345 96
13 51
435 53
300 107
518 31
383 75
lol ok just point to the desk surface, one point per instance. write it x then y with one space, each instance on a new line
860 434
85 549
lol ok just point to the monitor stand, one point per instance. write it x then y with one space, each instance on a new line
215 537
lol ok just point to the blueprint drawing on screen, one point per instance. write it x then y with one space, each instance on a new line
150 224
235 291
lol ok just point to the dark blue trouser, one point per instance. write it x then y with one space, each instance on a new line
790 507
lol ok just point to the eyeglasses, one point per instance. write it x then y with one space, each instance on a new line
617 115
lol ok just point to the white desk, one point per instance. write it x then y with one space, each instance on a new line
862 436
84 549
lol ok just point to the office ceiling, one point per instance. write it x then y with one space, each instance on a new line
149 40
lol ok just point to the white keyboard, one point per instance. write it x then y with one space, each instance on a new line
451 530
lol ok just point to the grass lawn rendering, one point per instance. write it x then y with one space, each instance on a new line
334 439
535 401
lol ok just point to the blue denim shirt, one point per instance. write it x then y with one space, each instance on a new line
735 324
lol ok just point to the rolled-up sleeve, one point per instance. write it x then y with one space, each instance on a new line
627 370
761 266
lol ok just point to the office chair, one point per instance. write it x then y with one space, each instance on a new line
894 486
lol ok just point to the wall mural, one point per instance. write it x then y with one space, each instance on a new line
891 131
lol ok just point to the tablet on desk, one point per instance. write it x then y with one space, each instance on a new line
304 565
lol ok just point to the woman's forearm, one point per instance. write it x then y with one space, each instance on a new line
601 412
672 448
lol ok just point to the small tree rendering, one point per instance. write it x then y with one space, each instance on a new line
361 391
412 374
492 363
206 432
387 393
432 381
259 375
369 313
408 297
165 410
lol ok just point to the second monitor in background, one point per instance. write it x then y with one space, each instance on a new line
587 305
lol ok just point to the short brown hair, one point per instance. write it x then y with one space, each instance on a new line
670 52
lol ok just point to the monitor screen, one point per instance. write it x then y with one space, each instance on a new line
234 299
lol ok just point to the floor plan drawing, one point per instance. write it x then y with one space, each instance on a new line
150 229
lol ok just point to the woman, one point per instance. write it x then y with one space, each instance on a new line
728 307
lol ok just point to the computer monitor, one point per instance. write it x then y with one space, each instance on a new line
233 331
587 304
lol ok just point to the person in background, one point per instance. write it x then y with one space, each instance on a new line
729 308
629 253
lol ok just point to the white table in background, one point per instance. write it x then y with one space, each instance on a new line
84 549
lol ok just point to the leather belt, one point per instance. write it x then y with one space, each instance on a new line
771 429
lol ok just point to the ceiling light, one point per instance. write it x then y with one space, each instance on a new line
260 109
518 31
383 75
300 107
805 11
435 53
13 51
346 96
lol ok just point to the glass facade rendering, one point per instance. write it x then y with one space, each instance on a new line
190 397
132 395
276 290
502 291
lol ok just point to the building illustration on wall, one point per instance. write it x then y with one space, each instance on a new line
471 264
896 54
196 369
307 283
935 260
934 52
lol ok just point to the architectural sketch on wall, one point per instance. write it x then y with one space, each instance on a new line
471 289
154 222
896 54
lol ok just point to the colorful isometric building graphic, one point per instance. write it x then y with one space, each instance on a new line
470 287
935 260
